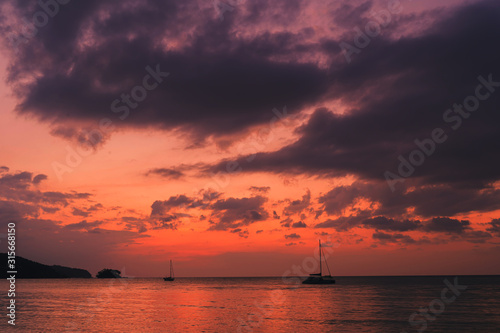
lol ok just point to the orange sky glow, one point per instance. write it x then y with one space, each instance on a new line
150 191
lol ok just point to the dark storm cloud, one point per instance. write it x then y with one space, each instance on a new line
161 207
50 210
383 223
23 205
427 201
167 224
281 11
471 236
79 212
393 238
95 207
225 214
92 52
236 212
221 82
21 188
166 173
446 225
397 91
260 189
15 211
205 197
240 232
477 236
495 227
404 240
86 211
344 223
169 218
349 15
20 180
74 245
39 178
339 198
286 222
297 206
292 236
136 223
458 229
83 225
61 198
299 224
165 221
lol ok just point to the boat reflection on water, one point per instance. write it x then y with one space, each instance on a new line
319 278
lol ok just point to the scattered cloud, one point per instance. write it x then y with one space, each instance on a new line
292 236
299 224
166 173
260 189
495 227
235 212
83 225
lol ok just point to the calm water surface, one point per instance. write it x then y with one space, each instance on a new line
354 304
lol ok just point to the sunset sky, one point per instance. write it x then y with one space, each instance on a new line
231 136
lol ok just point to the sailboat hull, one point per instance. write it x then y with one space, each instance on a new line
319 280
168 279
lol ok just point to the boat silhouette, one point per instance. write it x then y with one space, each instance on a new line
171 277
319 278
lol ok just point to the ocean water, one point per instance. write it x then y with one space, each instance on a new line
354 304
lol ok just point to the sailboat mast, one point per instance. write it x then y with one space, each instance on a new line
320 270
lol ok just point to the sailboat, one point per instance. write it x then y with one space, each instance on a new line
319 278
171 277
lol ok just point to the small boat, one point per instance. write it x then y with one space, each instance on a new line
319 278
171 277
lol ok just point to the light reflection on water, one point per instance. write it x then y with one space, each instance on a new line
360 304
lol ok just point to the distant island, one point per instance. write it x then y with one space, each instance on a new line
109 274
27 269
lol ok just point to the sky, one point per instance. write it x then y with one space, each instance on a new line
231 136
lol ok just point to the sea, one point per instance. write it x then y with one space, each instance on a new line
353 304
